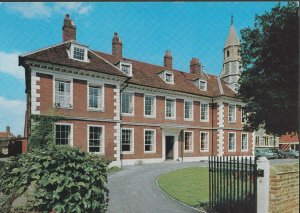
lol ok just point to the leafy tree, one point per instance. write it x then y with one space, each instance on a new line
269 81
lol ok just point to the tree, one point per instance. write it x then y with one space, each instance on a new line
269 81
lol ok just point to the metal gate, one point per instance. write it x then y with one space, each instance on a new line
232 184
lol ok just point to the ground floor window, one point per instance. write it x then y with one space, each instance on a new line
95 139
204 141
63 134
127 140
232 141
188 141
149 139
244 141
257 141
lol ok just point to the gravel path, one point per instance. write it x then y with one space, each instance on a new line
134 190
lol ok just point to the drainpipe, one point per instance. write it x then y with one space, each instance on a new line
212 126
182 144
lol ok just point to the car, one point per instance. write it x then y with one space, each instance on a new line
282 154
292 153
268 153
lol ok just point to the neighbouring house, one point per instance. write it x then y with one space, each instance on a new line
263 140
289 141
11 144
4 140
131 111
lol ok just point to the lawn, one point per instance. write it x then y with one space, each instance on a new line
189 185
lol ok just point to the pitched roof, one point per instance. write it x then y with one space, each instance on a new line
6 135
232 38
289 138
143 74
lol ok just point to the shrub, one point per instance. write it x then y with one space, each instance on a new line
61 178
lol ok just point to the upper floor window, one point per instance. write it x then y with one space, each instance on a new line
149 140
95 97
126 67
188 141
266 140
169 77
257 141
149 105
231 141
63 93
170 108
188 110
244 141
244 116
78 52
202 85
127 103
231 113
63 134
204 112
204 141
95 137
127 140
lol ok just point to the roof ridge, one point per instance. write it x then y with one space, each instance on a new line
220 86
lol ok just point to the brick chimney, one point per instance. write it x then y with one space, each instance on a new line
168 59
8 130
117 47
69 29
195 66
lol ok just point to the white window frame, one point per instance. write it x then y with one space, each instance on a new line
174 117
192 143
154 141
204 120
102 139
244 150
85 57
231 121
132 141
204 150
101 108
232 150
63 78
205 84
71 134
172 77
154 106
124 113
122 63
192 110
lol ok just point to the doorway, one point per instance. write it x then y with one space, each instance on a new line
169 147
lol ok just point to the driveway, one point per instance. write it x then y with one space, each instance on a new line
134 190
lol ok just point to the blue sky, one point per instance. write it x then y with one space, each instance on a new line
188 29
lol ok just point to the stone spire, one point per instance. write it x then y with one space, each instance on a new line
232 38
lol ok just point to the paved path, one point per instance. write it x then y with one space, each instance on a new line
134 190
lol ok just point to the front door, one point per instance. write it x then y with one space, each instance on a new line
169 147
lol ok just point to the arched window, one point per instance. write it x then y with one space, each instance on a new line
227 53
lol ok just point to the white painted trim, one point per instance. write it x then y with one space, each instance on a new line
208 141
94 84
174 117
132 142
128 114
165 76
192 150
117 139
117 103
154 142
203 81
154 106
244 150
71 52
204 120
192 109
121 63
34 93
63 78
71 129
102 138
233 150
220 86
234 121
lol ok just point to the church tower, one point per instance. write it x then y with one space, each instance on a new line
232 61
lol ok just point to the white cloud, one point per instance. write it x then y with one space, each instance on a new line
45 10
12 113
9 64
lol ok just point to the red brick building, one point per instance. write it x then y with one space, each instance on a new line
132 111
289 141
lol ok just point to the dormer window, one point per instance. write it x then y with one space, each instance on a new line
202 85
169 78
78 52
126 68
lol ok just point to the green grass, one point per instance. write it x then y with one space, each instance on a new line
189 185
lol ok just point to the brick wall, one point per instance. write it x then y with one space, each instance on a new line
284 188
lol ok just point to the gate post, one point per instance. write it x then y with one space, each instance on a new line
263 175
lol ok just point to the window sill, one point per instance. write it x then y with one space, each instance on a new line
149 116
188 119
170 118
188 151
204 121
149 152
231 150
245 150
232 122
127 114
127 153
204 150
95 110
62 107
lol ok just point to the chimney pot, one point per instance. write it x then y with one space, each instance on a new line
195 66
168 59
117 47
69 29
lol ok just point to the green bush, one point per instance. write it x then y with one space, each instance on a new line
61 178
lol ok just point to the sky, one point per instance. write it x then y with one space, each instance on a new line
187 29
